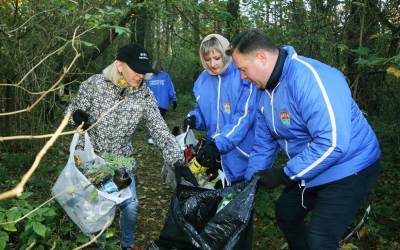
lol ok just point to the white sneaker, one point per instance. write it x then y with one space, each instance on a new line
150 141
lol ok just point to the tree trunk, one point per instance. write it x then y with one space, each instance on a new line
232 20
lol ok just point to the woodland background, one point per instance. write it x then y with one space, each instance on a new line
48 47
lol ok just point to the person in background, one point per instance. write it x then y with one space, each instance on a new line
163 89
225 109
307 111
120 86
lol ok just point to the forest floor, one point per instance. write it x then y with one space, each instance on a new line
153 195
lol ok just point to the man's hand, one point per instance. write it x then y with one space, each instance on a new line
208 155
174 105
80 116
273 177
189 121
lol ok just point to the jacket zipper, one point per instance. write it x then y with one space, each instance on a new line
273 118
218 128
218 97
286 149
272 109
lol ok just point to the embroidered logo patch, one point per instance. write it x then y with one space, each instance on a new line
227 108
285 118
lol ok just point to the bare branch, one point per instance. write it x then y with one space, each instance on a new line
108 223
30 137
18 189
78 130
28 109
34 210
56 51
31 245
22 25
35 93
53 246
75 2
40 62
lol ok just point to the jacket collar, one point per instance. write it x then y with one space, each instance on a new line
277 72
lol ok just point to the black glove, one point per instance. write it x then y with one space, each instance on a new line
189 121
208 155
174 105
273 177
80 116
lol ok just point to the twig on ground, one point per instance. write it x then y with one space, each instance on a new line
108 223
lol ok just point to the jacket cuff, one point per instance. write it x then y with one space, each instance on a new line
286 180
249 174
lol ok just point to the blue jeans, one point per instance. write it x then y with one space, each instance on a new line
333 207
128 217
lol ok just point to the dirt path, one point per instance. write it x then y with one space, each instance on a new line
154 197
154 200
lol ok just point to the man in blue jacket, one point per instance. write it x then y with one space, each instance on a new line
308 112
163 89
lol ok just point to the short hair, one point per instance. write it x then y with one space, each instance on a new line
213 44
251 40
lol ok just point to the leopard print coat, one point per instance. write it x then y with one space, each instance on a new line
113 133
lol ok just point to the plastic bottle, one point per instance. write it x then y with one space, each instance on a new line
108 186
225 201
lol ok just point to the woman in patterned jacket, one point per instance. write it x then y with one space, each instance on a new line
117 100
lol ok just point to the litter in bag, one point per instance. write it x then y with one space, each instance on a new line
186 139
89 208
194 223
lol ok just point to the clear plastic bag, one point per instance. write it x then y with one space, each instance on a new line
187 138
89 208
167 171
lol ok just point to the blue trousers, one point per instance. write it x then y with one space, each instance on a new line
128 217
332 208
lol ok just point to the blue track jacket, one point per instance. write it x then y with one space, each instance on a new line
311 116
226 109
163 89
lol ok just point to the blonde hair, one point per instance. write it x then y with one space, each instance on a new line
213 44
111 73
217 43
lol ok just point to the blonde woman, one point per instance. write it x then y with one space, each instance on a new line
226 109
122 81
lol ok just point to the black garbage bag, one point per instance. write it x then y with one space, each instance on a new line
194 223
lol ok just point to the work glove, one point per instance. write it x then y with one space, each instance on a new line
174 105
208 156
189 121
80 116
273 177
